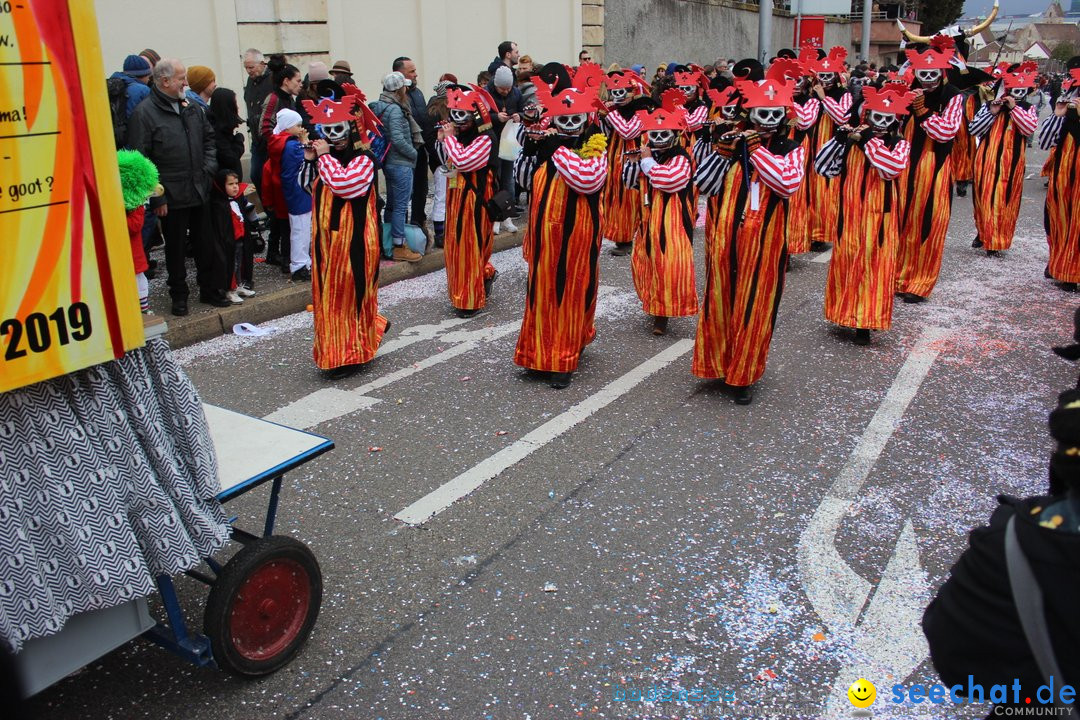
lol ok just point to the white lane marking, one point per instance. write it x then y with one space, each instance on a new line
823 257
837 592
331 403
444 496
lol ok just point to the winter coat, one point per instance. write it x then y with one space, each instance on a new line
180 142
255 92
230 148
136 91
509 104
275 101
396 124
297 198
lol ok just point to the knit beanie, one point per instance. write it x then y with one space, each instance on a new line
393 82
317 71
199 77
136 66
286 119
152 57
504 78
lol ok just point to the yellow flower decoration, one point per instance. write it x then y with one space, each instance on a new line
595 146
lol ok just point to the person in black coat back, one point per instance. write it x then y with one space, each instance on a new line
225 117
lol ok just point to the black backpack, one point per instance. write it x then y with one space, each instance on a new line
118 108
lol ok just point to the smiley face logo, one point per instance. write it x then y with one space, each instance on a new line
862 693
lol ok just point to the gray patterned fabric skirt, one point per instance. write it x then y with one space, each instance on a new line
107 478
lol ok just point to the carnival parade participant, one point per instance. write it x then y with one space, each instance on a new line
622 204
692 83
1061 132
663 259
726 117
467 147
866 160
926 186
806 111
1003 127
345 244
828 88
963 150
754 172
564 235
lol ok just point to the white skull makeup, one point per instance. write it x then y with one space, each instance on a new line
620 96
929 79
688 90
336 133
729 111
460 117
659 139
828 79
571 124
1019 93
767 118
880 121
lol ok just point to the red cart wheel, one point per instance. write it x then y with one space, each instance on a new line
263 606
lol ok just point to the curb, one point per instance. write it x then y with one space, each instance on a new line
271 306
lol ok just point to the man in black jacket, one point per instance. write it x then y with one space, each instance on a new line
179 140
418 106
259 85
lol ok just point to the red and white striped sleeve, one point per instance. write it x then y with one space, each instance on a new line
468 158
696 120
943 126
627 129
889 163
840 111
782 173
585 176
1026 120
672 176
347 182
806 115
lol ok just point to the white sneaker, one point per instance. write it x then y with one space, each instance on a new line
497 229
232 297
244 291
509 226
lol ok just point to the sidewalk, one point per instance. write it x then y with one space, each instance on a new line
277 295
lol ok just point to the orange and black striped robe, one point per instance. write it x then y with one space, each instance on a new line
563 256
621 204
345 263
469 235
862 271
1061 219
963 150
800 212
663 257
746 256
926 189
1000 164
824 194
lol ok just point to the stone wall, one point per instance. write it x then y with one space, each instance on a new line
661 31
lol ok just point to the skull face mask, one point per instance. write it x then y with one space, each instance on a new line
336 134
880 121
660 139
688 90
827 79
729 112
928 79
1019 93
461 117
571 124
767 119
620 96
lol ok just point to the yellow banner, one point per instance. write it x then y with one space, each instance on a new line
67 282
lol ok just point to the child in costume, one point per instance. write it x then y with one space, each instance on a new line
138 182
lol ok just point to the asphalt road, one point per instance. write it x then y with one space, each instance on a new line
639 530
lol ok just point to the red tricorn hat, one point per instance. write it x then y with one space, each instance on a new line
890 99
571 101
895 78
725 97
694 77
938 56
1020 79
767 93
663 119
625 79
831 63
330 112
786 69
588 76
1072 81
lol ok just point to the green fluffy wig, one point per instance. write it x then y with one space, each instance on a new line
138 177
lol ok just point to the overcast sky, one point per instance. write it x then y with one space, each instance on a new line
1010 7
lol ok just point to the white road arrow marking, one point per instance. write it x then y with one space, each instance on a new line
888 639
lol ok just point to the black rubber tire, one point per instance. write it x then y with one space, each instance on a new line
260 562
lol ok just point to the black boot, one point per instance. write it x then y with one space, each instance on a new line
561 380
912 298
961 189
862 336
488 282
977 242
621 249
744 395
440 229
659 325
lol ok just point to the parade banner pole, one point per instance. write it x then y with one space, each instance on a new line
764 30
866 11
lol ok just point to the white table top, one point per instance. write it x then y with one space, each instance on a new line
251 451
